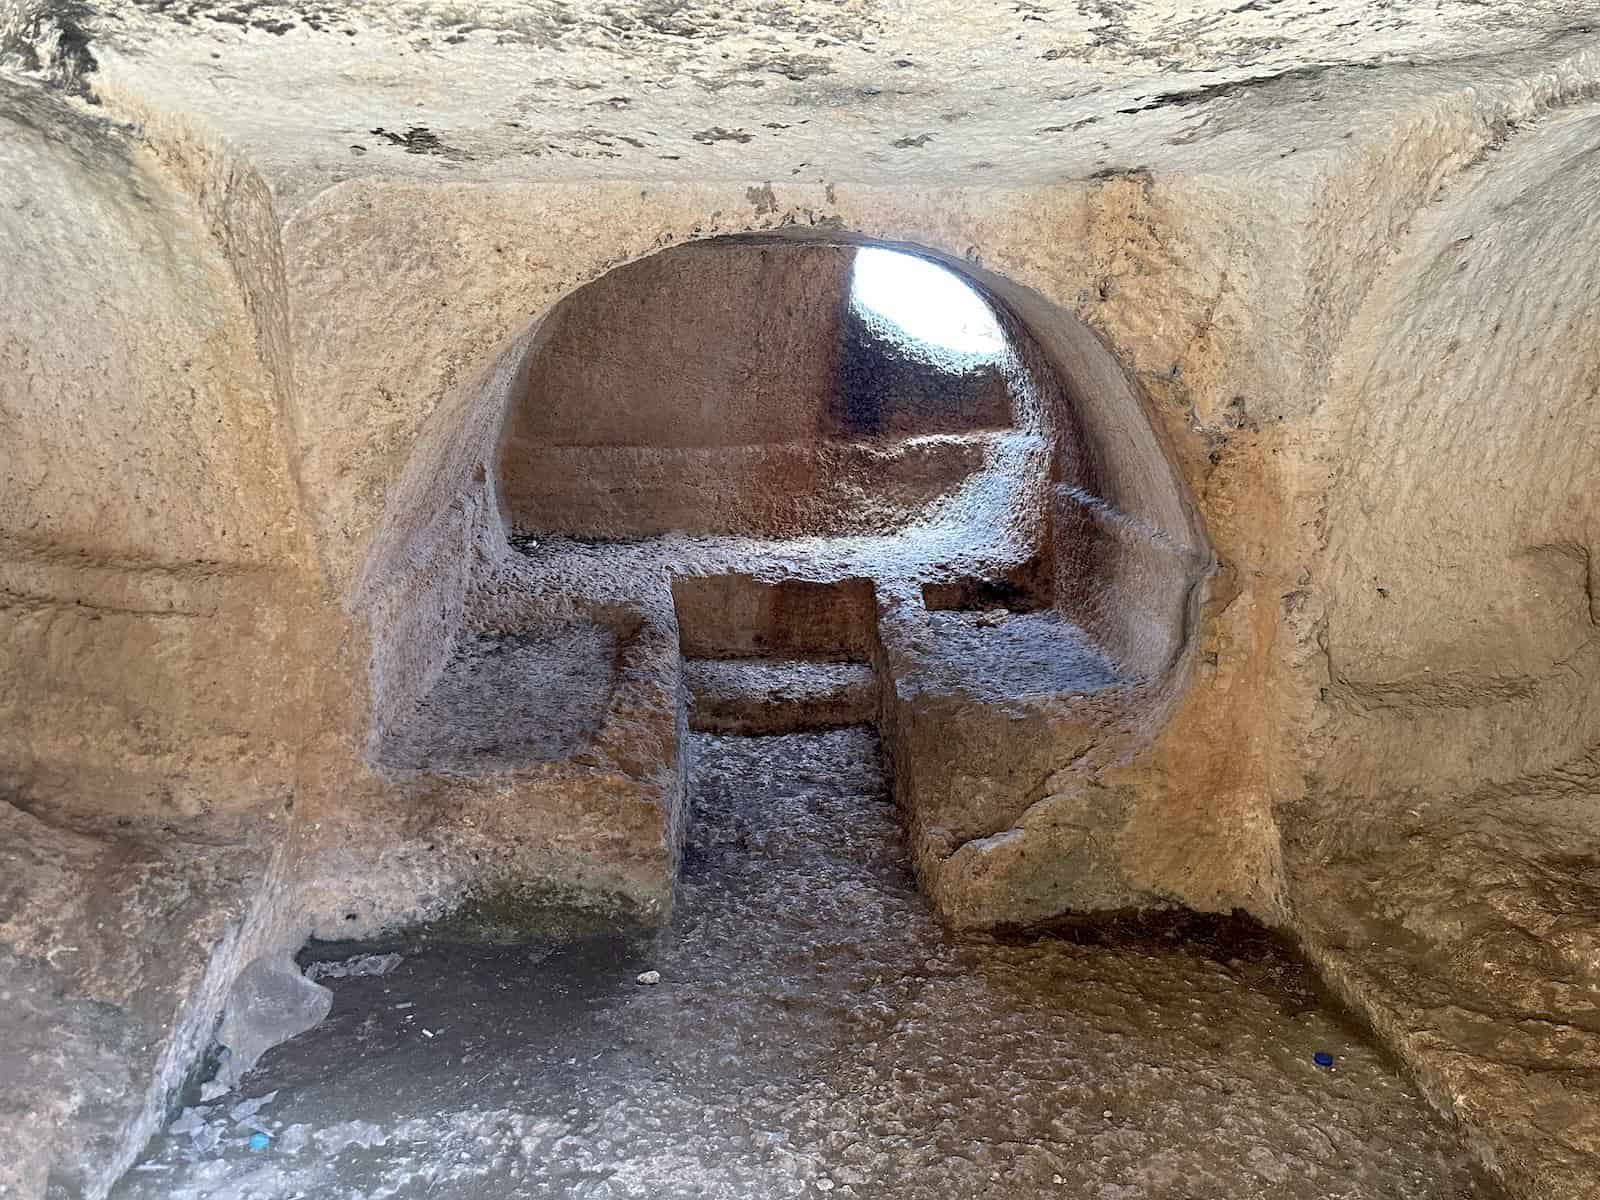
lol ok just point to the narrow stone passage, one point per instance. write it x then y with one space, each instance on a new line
814 1030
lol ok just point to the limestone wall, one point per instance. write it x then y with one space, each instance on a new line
1329 483
149 535
704 346
455 249
1438 859
1455 578
723 388
426 280
156 622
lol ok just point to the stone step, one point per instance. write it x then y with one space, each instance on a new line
777 695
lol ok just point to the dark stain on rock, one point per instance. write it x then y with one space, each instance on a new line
797 67
1235 416
763 198
716 133
96 143
48 39
718 83
1076 125
1142 173
1217 91
419 139
914 143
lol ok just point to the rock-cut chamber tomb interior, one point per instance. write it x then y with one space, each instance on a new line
908 600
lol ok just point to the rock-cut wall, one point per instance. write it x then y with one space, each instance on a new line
149 530
157 604
1340 321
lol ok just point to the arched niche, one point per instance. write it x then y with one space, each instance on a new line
717 428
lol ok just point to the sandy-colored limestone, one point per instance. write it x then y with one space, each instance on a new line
1304 303
1441 859
155 607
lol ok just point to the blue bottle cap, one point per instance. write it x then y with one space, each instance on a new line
258 1141
1323 1059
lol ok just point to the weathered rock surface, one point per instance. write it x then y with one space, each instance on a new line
1474 954
927 94
814 1030
1440 858
115 955
767 695
1300 451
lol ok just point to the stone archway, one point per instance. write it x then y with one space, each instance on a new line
674 442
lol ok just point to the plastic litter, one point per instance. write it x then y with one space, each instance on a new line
351 968
1323 1059
259 1141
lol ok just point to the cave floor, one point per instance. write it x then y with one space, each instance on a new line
815 1030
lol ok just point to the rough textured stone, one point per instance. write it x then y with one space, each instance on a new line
115 956
814 1030
1301 301
760 696
809 88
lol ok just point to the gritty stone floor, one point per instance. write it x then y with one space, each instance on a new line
815 1031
